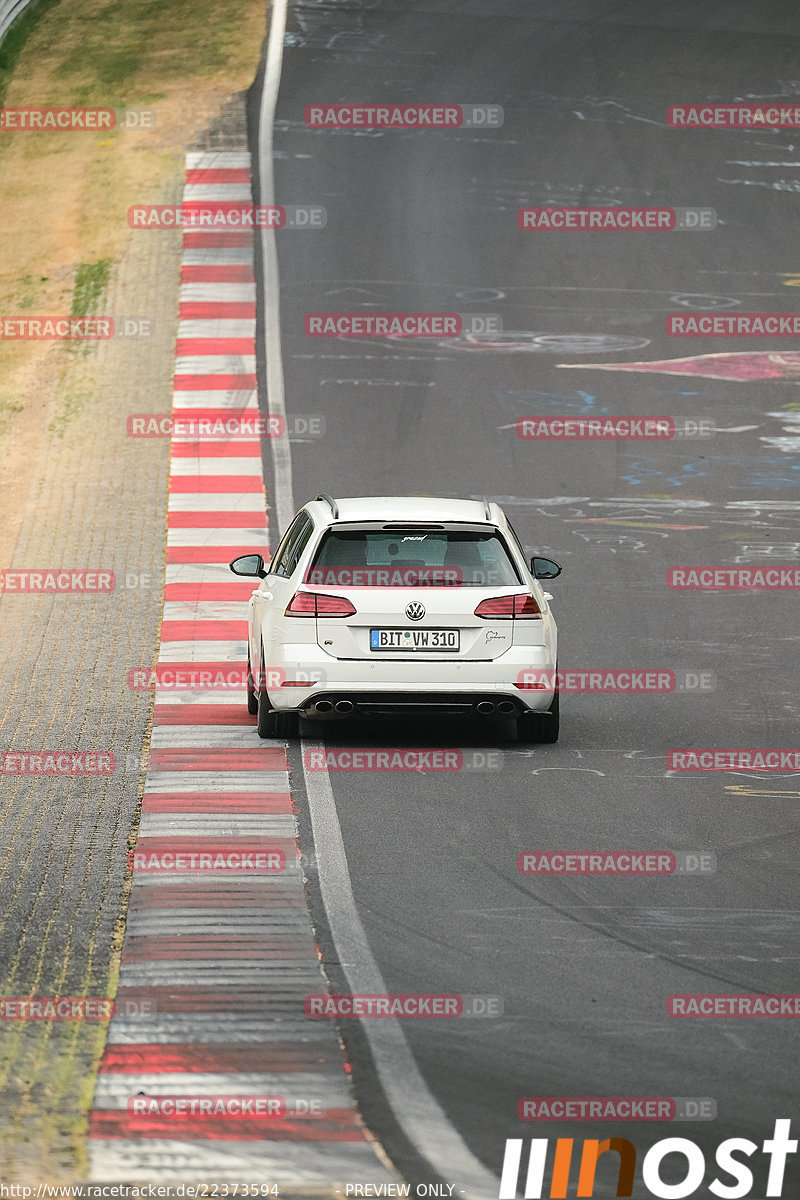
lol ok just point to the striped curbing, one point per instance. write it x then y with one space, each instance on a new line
219 951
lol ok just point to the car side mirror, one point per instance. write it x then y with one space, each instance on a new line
251 565
544 568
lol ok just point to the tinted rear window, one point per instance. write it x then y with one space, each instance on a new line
380 558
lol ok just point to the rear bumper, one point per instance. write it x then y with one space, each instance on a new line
333 703
381 686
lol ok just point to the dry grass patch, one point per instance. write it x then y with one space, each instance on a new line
65 196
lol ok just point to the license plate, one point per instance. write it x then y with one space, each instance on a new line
414 639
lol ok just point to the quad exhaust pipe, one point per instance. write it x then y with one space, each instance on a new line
344 708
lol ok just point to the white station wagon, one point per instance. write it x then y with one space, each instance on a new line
386 605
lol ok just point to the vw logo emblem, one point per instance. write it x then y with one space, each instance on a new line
415 611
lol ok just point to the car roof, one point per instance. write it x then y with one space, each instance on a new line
407 508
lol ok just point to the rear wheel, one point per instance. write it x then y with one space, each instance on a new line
286 724
539 727
265 725
252 695
272 724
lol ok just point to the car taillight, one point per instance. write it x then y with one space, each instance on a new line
318 604
509 608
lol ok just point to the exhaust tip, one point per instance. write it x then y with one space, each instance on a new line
506 707
344 706
323 706
484 707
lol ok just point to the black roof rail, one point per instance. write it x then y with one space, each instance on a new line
487 512
328 498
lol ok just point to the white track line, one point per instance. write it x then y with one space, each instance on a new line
281 448
416 1111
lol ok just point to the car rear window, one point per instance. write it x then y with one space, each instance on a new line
405 558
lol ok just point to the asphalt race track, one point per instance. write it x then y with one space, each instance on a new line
426 221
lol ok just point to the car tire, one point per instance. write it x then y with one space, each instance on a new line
265 725
540 728
252 695
286 724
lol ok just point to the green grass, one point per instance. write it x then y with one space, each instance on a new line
91 281
68 407
105 60
13 43
112 56
8 409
